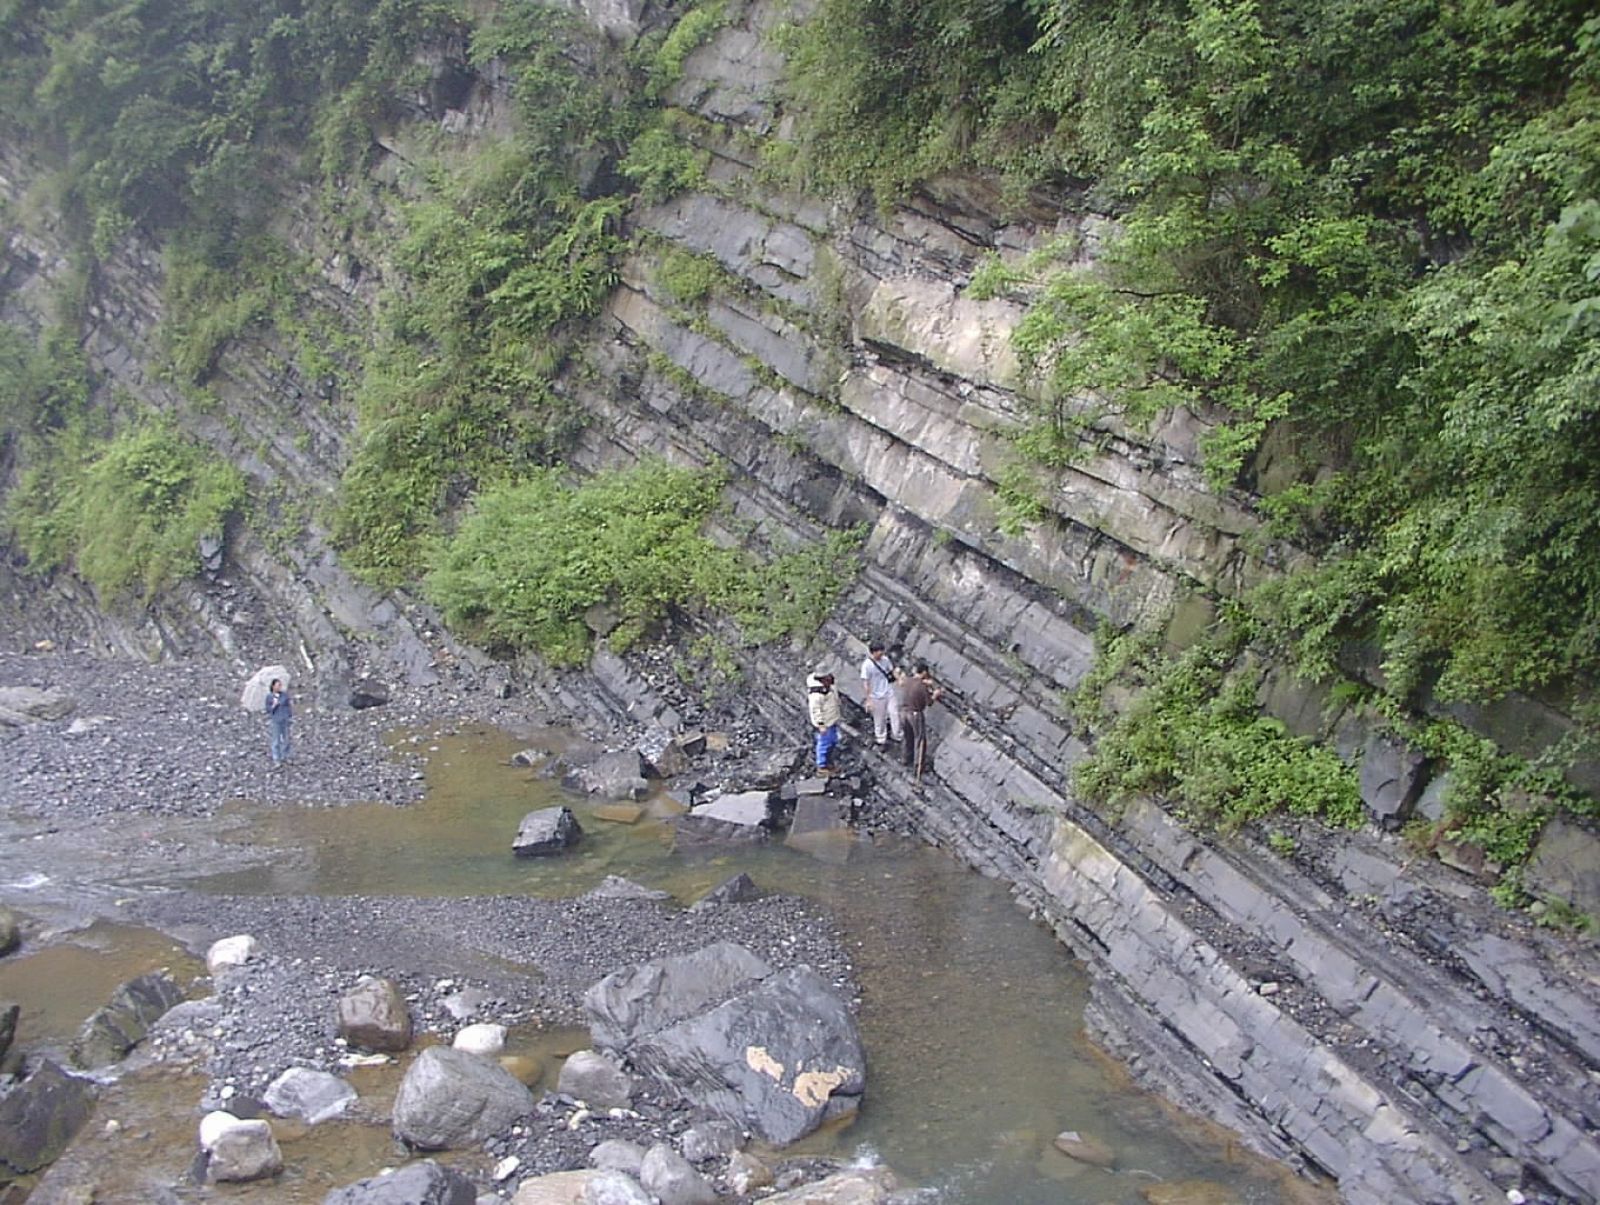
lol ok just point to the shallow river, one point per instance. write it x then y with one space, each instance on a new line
972 1015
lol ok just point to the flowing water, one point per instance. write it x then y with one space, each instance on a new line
972 1015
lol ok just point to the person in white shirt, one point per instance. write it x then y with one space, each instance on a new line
878 693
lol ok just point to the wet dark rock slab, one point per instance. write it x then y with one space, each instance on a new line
39 1115
118 1027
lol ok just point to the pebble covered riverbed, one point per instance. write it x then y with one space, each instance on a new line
968 1012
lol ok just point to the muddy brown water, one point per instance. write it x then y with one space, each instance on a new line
972 1014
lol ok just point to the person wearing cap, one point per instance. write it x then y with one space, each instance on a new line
822 704
877 692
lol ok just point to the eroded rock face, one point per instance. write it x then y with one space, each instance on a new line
779 1053
451 1099
654 995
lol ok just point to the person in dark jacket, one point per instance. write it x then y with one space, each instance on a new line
280 710
916 694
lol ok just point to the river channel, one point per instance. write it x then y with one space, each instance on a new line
972 1014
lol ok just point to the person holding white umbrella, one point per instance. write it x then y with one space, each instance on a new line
268 690
280 710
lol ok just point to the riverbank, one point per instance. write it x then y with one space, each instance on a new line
131 784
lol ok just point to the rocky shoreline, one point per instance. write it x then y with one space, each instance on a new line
174 747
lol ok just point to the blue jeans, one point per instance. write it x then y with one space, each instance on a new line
826 740
280 742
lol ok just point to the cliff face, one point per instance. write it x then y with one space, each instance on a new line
1357 1008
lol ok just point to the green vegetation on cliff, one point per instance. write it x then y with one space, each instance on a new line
129 514
531 559
1368 229
181 121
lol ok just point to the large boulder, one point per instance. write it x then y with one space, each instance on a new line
596 1079
450 1098
654 995
708 1140
368 692
619 775
693 832
670 1178
778 1053
308 1096
743 807
424 1183
821 828
122 1024
746 1173
10 931
238 1150
373 1015
618 1155
740 889
1391 777
38 1117
547 831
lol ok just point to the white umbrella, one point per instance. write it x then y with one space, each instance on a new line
254 697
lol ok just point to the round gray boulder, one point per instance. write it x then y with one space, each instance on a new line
450 1098
596 1080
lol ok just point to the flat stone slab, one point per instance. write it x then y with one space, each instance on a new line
746 807
692 831
617 813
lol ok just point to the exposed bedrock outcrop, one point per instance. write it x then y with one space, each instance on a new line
1356 1009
